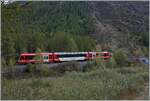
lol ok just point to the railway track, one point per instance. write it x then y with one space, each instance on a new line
22 68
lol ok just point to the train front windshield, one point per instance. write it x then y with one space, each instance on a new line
21 58
30 57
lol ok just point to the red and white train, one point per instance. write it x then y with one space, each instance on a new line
26 58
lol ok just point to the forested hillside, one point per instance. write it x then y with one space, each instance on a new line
73 26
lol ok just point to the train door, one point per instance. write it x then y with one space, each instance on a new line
50 57
45 58
106 56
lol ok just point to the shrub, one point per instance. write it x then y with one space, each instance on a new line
69 66
98 64
111 63
89 66
9 72
138 52
99 84
146 52
30 68
120 58
94 65
3 63
46 71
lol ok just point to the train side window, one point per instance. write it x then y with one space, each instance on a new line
45 57
29 57
72 55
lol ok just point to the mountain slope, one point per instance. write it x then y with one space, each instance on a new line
73 26
116 20
130 16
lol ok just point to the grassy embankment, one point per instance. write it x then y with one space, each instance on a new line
98 82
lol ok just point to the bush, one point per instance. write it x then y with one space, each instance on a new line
120 58
99 84
46 71
89 66
98 64
146 52
9 72
30 68
69 66
3 63
138 52
111 63
94 65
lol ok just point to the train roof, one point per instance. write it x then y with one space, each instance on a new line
33 53
61 53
